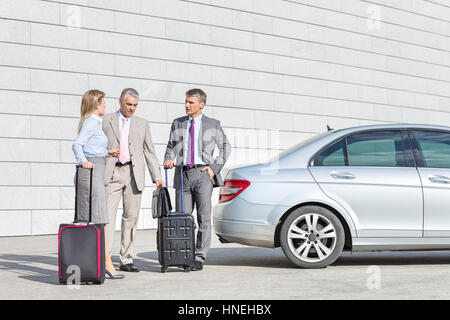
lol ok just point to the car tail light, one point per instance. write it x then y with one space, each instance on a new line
231 189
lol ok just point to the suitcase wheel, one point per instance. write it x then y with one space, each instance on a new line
163 270
187 269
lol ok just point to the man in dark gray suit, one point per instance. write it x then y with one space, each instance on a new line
192 142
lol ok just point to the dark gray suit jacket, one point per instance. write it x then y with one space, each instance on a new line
211 135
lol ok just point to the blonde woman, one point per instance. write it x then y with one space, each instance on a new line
90 149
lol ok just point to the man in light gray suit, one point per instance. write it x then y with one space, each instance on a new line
192 142
125 175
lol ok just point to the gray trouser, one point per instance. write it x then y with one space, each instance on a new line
198 188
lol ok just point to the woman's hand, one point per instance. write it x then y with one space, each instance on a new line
114 153
88 165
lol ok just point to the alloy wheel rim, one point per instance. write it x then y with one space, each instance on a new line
312 237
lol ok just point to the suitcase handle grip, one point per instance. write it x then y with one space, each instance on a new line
182 193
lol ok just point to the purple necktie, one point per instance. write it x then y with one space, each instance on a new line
191 161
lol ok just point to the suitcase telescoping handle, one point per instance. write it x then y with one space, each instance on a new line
75 219
181 179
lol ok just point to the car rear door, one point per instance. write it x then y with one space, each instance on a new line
373 175
432 153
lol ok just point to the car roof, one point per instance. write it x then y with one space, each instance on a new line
393 126
301 153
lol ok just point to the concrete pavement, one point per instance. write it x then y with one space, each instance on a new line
28 270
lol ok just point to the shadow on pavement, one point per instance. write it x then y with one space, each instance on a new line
249 257
394 258
25 266
143 264
274 258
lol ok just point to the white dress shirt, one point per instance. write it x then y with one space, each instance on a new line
197 152
127 131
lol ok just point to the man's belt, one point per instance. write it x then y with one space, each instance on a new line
119 164
194 166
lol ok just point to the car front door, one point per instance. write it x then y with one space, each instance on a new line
373 175
432 153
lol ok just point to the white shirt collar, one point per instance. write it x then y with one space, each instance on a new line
121 116
196 119
96 117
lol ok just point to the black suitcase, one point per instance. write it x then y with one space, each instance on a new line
81 248
176 237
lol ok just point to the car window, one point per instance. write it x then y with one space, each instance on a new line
332 156
378 149
435 147
301 144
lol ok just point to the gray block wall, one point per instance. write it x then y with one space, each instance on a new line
275 71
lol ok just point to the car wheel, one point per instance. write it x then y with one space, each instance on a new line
312 237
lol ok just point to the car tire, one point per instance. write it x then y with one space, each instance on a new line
312 237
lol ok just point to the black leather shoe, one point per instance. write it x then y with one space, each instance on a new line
129 268
197 266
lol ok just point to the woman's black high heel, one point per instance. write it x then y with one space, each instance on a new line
117 276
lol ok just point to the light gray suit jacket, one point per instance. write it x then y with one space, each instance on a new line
140 146
211 135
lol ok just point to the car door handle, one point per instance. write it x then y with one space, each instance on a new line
439 179
341 175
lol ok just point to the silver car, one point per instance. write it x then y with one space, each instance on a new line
368 188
